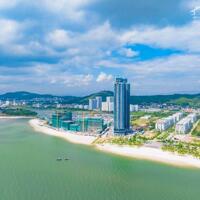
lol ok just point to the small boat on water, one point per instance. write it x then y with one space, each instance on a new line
60 159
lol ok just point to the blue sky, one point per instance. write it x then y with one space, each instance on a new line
76 47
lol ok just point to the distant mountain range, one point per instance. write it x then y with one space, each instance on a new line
179 99
32 96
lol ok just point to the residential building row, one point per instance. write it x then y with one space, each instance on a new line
166 123
7 103
186 124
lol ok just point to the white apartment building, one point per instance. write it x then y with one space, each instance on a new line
92 104
134 108
108 106
177 117
165 123
110 99
105 106
186 124
99 102
86 107
193 117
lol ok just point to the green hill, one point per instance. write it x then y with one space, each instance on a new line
103 94
183 101
176 99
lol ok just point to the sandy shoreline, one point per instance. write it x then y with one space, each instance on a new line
143 153
39 126
152 154
15 117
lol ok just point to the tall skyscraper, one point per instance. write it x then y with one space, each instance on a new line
121 106
92 104
99 102
110 99
108 106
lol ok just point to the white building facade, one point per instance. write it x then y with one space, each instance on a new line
186 124
166 123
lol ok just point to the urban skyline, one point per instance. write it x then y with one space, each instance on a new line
99 99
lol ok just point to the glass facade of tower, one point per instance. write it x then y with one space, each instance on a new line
121 106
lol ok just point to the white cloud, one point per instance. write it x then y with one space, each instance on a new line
177 73
79 80
79 54
95 39
102 77
184 38
15 41
191 4
59 38
67 9
10 31
100 33
71 9
175 63
128 52
5 4
53 74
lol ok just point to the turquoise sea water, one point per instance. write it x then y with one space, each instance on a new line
29 171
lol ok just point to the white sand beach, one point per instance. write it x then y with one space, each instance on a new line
14 117
40 126
152 154
143 153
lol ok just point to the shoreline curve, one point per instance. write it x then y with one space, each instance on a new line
140 153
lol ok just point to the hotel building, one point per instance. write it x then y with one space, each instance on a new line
121 106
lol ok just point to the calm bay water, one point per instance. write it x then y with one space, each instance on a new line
29 171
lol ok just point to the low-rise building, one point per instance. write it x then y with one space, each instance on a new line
134 108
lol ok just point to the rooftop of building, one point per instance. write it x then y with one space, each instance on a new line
121 80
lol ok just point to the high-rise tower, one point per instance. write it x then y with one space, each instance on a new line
99 102
121 106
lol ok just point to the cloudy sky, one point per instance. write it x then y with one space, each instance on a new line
75 47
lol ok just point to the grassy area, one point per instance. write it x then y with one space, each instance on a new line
196 131
19 112
161 114
183 148
163 136
136 140
150 135
148 124
140 122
